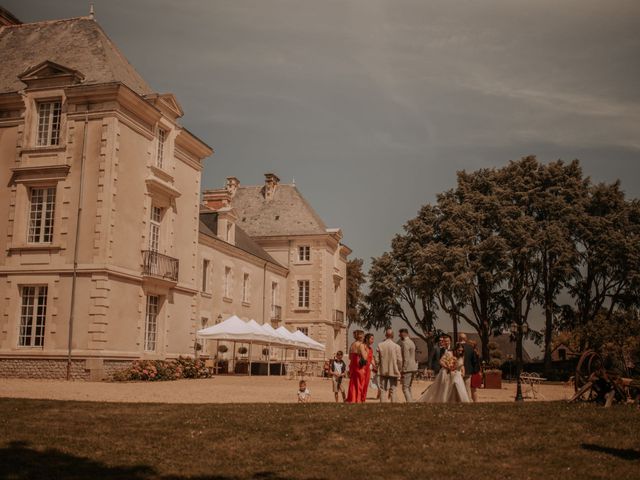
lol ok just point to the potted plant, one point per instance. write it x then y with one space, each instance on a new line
222 364
493 374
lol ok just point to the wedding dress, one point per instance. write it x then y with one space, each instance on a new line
448 386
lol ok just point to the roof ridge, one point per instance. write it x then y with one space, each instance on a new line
59 20
121 55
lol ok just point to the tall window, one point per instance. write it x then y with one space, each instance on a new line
151 323
205 275
32 316
154 232
245 288
48 123
274 294
227 282
303 353
303 293
41 214
304 253
162 138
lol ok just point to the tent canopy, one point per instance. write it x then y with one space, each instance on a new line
235 329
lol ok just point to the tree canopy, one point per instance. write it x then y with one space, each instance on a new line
505 240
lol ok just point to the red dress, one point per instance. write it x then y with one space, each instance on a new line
367 375
357 375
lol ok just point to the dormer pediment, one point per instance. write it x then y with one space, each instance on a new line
167 103
49 73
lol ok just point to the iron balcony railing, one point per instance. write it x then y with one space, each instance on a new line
158 265
338 317
276 312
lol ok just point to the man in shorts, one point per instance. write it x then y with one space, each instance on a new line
338 370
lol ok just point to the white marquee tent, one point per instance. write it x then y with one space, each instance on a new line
234 329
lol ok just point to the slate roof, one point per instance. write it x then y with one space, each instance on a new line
209 226
287 213
77 43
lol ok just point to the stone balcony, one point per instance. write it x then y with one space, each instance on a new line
158 266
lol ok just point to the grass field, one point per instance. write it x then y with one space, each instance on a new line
76 440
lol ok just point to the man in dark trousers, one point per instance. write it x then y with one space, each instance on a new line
470 361
436 354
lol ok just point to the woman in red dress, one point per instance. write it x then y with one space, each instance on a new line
369 366
357 368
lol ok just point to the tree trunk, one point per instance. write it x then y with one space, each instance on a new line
454 317
484 339
519 351
548 337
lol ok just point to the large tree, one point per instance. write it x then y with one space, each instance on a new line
356 278
475 254
607 239
399 284
558 200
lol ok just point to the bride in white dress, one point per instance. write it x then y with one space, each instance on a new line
448 387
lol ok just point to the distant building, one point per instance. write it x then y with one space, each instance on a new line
562 352
281 222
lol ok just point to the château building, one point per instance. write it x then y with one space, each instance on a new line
107 253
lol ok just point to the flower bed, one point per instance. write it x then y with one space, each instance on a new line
159 370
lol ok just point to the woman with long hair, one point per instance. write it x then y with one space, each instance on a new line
357 368
369 363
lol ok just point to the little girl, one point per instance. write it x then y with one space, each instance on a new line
304 395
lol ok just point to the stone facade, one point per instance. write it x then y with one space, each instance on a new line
280 220
105 249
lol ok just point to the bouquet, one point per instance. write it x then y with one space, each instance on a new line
449 362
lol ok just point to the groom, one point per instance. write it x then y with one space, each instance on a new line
470 362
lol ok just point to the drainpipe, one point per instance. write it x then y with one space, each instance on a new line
75 247
264 290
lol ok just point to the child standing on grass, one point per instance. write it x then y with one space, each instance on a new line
304 395
338 370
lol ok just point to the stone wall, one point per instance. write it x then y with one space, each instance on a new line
56 369
42 368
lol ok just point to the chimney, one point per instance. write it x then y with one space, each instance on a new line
271 181
216 199
232 185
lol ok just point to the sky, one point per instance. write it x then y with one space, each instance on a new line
373 105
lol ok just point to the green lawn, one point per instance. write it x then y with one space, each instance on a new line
78 440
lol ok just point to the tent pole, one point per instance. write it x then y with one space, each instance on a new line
282 363
268 359
215 367
250 344
234 357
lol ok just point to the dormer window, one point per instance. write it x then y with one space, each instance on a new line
49 114
162 138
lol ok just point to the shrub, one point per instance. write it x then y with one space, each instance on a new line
494 364
223 349
192 367
158 370
243 350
